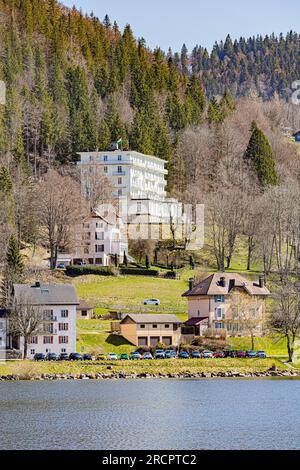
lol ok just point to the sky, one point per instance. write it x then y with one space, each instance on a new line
170 23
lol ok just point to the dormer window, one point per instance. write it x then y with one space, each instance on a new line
219 298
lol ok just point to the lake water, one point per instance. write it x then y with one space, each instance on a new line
150 414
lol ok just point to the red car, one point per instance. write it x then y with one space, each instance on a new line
219 354
241 354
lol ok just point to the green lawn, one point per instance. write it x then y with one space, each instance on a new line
27 369
126 293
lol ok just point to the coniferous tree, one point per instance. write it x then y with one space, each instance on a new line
259 153
214 114
13 271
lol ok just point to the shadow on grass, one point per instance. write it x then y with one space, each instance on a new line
117 340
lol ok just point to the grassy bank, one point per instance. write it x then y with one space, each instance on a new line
27 369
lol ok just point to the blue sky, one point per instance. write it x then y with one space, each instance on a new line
167 23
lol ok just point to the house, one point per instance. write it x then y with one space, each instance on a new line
99 238
297 136
84 311
220 302
149 330
57 304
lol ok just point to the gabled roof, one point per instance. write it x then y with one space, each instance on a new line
148 318
45 294
212 286
83 305
195 321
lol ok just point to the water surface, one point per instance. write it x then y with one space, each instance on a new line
150 414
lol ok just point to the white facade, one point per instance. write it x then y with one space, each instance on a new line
59 332
55 305
133 174
99 238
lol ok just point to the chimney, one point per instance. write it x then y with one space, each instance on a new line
37 285
223 281
261 281
191 283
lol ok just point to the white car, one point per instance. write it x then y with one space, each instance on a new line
112 357
152 302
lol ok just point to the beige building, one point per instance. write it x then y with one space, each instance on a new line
226 302
84 311
149 330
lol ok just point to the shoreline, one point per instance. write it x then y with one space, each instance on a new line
283 374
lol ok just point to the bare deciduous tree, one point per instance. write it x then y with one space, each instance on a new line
247 312
25 320
59 206
284 319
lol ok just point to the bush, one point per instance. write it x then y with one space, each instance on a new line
170 275
83 270
138 272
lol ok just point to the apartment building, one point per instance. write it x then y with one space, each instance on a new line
57 306
99 238
221 301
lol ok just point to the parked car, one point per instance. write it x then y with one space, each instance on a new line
124 357
87 357
112 356
51 357
135 356
207 355
63 357
241 354
196 355
219 354
251 354
160 354
152 302
75 357
170 354
101 357
229 353
261 354
39 357
184 355
61 266
147 356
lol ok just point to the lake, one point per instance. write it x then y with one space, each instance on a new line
150 414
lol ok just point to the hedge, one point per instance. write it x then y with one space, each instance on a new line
82 270
139 272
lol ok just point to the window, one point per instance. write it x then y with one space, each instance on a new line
119 169
84 313
99 248
105 169
105 158
63 326
142 326
99 261
65 314
63 339
48 340
119 180
63 350
99 236
32 351
86 250
119 192
219 298
219 326
220 314
167 326
99 225
119 158
154 326
34 340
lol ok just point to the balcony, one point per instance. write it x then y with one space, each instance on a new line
50 319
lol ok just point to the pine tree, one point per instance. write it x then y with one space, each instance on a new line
214 114
259 153
13 271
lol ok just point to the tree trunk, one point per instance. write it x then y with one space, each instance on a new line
252 342
290 348
25 348
250 250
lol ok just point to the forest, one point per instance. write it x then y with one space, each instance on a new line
221 120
